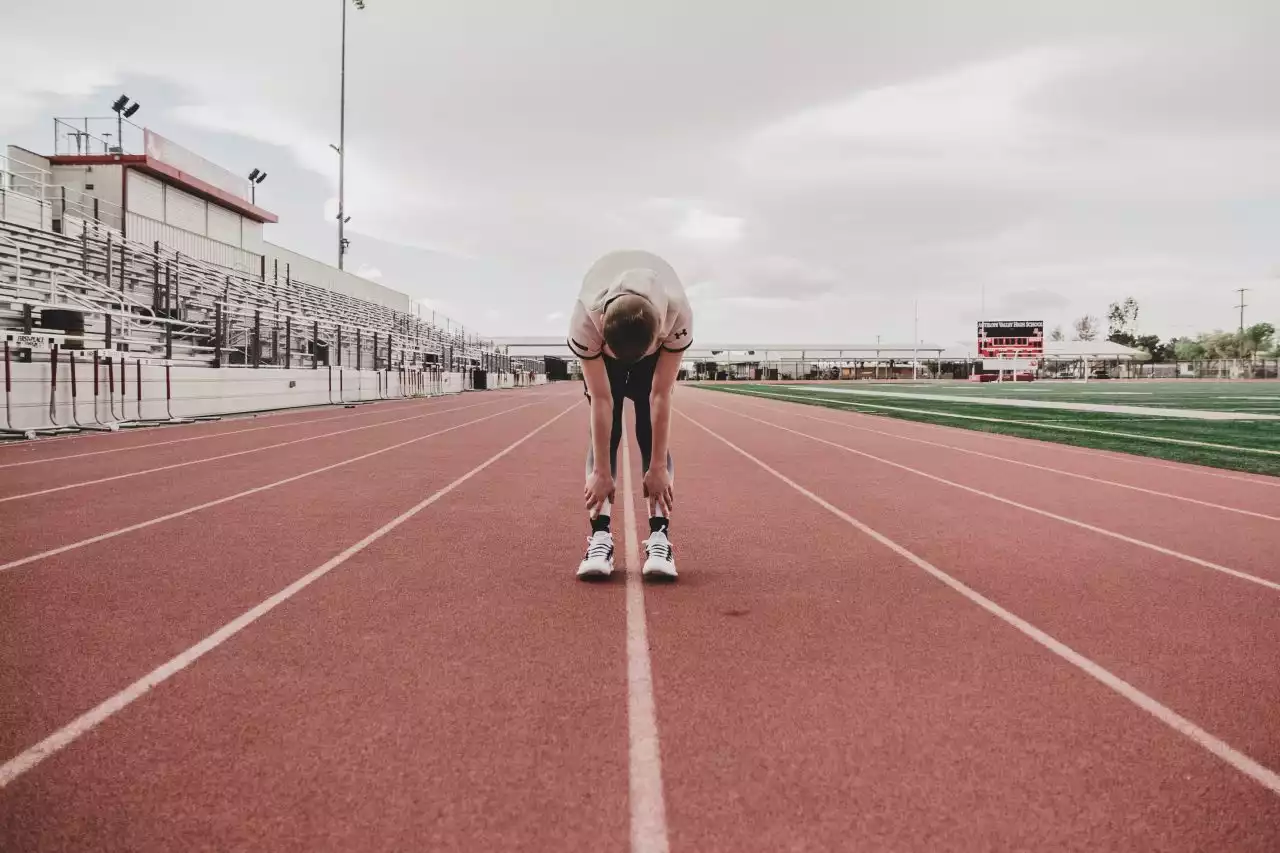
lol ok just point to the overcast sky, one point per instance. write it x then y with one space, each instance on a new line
809 168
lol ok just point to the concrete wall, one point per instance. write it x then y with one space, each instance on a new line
82 184
197 391
22 202
24 210
331 278
147 230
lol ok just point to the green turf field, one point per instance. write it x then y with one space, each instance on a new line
1245 445
1260 397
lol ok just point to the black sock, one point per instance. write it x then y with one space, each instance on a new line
599 523
658 524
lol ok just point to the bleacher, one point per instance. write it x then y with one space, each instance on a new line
89 288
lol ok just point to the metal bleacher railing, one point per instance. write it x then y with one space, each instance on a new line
69 270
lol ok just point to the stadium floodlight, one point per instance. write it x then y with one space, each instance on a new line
256 177
123 110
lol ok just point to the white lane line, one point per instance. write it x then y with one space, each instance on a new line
1264 776
1083 525
19 764
1064 428
189 438
648 811
1111 456
189 462
101 537
1055 405
1064 473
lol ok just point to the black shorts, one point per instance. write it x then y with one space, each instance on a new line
634 381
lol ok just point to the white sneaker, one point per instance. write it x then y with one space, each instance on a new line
598 563
661 559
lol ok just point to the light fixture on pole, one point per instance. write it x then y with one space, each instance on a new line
123 108
341 147
255 177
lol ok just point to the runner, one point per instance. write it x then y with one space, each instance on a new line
630 327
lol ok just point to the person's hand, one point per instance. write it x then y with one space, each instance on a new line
658 488
598 489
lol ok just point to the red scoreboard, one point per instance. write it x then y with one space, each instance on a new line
1011 338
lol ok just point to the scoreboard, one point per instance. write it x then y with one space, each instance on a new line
1011 338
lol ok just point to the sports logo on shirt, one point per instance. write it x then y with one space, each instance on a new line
682 333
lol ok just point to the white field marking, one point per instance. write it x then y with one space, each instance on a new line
648 810
202 460
1250 399
1113 456
1264 776
1118 485
21 763
1083 525
1053 426
1055 405
356 414
62 549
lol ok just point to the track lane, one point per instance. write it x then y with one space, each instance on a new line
44 522
1245 543
1251 491
817 692
1195 640
81 624
437 692
29 480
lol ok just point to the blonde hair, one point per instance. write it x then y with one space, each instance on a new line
630 326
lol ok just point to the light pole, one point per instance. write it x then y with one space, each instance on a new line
255 177
915 347
123 110
342 134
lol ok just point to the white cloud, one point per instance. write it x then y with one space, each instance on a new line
807 173
369 272
700 226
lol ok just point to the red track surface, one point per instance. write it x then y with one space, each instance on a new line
449 686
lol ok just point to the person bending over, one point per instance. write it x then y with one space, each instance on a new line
630 327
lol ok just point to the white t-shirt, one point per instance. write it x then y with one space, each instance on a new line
637 272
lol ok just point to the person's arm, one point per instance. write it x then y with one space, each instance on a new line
657 480
599 486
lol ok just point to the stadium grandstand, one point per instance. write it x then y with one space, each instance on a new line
136 287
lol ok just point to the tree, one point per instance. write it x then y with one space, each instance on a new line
1186 349
1086 328
1221 344
1057 335
1151 343
1122 319
1123 338
1258 338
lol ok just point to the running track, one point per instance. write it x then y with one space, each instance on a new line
359 630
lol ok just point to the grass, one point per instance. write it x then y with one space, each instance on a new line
1257 397
1249 446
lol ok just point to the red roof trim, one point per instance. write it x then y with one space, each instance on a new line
172 175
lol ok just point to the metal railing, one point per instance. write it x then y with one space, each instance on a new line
87 135
209 312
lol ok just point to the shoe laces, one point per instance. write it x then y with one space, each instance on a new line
659 546
600 544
